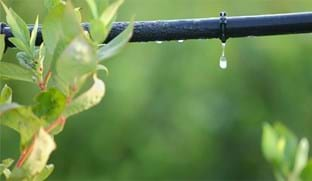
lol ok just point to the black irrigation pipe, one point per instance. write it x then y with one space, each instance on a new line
185 29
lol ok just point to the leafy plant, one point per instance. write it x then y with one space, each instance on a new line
62 67
287 155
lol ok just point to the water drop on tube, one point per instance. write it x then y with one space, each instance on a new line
223 60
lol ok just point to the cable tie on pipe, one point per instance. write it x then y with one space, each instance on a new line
223 26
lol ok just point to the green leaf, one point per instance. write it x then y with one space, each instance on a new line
6 95
115 46
50 105
12 71
93 8
111 11
4 167
25 61
18 26
34 33
98 31
290 148
44 174
269 142
2 45
19 44
100 26
22 120
301 156
306 174
79 58
19 174
60 27
42 148
52 30
88 99
7 162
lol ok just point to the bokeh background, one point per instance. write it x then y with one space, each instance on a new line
170 112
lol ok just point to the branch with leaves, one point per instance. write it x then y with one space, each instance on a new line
67 61
288 156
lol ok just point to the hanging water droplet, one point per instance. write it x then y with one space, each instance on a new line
159 42
223 60
180 41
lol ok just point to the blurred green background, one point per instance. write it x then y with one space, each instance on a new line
170 112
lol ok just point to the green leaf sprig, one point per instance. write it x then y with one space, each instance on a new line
66 62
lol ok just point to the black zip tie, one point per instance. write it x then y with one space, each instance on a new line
223 23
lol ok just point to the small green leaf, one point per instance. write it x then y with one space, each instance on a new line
93 8
4 167
100 26
115 46
98 31
12 71
34 33
52 27
19 44
111 11
18 26
60 27
50 105
301 156
88 99
2 45
7 162
79 58
19 174
291 142
43 146
269 142
44 174
22 120
6 95
25 61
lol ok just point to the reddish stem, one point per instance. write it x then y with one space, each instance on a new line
25 154
43 84
60 121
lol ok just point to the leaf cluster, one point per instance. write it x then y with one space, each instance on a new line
68 60
288 155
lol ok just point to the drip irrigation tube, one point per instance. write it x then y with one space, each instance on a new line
186 29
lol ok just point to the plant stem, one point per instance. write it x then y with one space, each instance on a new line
60 121
25 154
